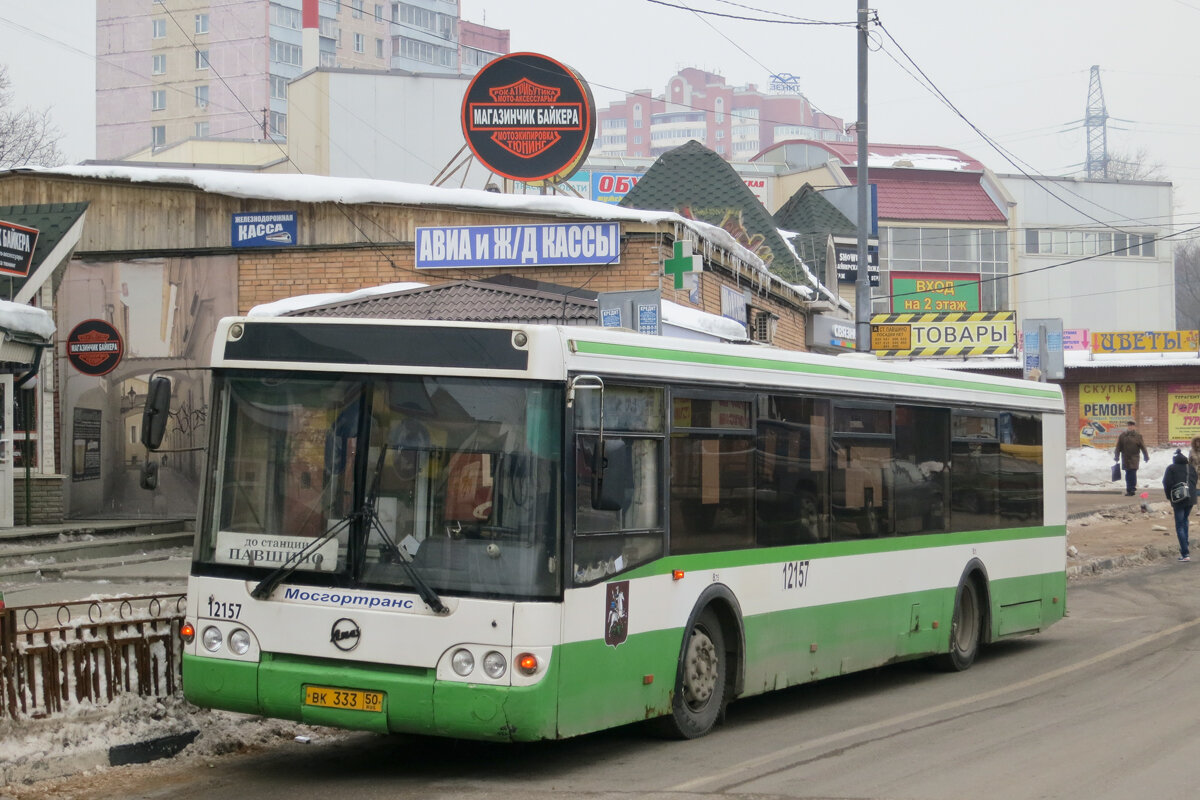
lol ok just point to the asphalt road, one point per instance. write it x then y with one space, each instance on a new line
1100 706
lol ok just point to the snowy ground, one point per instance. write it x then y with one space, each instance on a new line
78 741
1090 470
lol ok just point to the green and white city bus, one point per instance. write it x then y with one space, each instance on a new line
522 532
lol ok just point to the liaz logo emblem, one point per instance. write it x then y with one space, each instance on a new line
345 634
616 606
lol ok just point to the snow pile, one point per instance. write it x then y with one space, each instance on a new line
80 739
26 319
1090 470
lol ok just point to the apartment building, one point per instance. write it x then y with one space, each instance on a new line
184 69
734 122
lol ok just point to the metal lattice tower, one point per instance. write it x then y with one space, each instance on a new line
1096 122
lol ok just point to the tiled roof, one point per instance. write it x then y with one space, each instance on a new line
52 221
812 218
808 212
695 182
501 299
932 195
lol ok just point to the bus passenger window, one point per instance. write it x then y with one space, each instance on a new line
792 472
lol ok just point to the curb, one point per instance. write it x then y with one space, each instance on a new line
1095 566
1146 555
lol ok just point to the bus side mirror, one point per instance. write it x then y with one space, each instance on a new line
612 475
154 415
149 477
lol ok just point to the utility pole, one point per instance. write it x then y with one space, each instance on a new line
862 284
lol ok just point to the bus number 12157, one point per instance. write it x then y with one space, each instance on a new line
795 574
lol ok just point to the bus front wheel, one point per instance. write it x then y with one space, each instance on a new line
700 682
966 628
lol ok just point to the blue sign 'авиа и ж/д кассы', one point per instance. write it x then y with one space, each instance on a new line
263 229
518 245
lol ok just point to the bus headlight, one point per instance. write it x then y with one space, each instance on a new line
494 665
239 642
462 662
211 638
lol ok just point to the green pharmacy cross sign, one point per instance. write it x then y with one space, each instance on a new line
682 261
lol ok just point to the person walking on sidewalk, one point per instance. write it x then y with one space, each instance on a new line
1180 473
1129 445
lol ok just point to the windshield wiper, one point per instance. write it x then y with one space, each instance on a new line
371 517
280 573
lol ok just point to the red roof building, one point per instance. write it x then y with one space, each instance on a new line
939 210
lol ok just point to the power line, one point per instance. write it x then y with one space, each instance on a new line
792 21
1004 152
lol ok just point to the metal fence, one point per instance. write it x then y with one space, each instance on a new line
58 656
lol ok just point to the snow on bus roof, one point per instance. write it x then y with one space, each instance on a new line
325 189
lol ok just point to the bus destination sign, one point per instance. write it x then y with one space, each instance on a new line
529 118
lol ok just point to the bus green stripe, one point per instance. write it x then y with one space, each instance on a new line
592 685
891 544
779 365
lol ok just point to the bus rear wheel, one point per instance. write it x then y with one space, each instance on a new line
700 681
966 628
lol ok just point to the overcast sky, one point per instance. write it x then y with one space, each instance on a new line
1017 70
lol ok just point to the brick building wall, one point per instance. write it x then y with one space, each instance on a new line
269 275
1152 387
45 500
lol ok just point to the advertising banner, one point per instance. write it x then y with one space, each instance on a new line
934 291
1145 341
1104 409
982 333
266 229
528 117
1183 412
580 243
16 248
610 187
845 251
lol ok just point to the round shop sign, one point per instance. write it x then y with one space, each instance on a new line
530 118
94 347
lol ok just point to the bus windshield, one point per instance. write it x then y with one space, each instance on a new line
341 477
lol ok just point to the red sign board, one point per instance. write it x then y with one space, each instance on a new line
530 118
16 248
94 347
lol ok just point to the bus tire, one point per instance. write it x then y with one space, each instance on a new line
700 681
966 627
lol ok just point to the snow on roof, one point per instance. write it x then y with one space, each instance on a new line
942 161
703 322
20 318
829 294
325 189
283 306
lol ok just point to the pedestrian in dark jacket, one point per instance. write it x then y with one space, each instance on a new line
1129 445
1180 471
